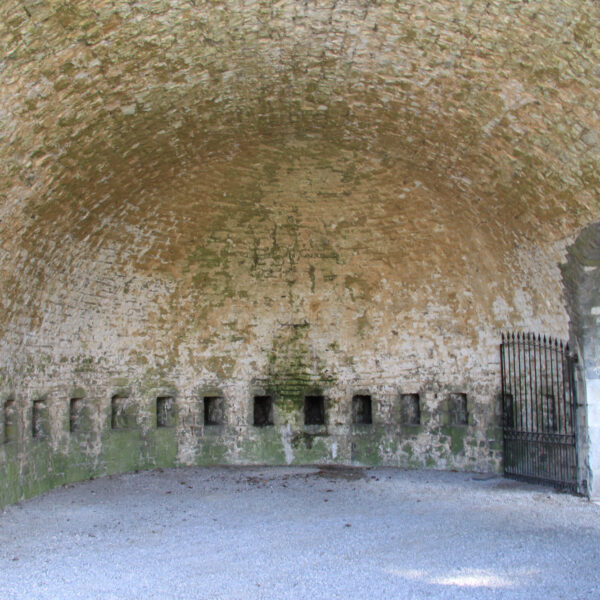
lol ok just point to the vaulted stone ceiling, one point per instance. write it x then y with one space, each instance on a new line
180 180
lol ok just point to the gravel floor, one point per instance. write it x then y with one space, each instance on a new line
258 533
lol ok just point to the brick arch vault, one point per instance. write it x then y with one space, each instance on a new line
281 232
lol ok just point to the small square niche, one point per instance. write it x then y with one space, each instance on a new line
122 412
165 411
362 409
75 415
263 411
10 421
214 410
314 410
458 409
410 409
39 419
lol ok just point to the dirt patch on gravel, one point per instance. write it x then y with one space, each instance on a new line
341 472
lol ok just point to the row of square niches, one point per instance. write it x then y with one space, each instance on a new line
124 416
39 420
314 410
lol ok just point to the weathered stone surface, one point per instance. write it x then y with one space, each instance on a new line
283 196
581 274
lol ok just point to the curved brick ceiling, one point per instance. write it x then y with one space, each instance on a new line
179 176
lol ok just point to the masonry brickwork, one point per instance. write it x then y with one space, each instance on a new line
280 198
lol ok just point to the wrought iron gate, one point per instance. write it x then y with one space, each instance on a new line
538 405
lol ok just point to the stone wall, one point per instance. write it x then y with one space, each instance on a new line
582 284
230 199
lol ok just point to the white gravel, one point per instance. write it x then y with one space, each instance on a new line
258 533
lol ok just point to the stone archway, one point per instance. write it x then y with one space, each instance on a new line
581 275
206 204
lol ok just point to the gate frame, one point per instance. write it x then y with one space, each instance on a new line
518 341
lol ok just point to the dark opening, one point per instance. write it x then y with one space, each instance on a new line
121 416
75 414
410 409
37 419
10 423
214 410
165 411
263 411
314 410
458 409
361 409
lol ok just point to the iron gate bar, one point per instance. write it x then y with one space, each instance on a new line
538 409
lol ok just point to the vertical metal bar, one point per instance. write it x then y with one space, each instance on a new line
566 393
527 382
573 365
556 388
545 398
536 378
514 381
540 399
523 389
561 420
561 413
508 375
535 421
502 365
540 386
531 350
543 403
560 428
551 392
566 390
546 388
502 387
531 404
517 455
534 410
523 381
552 467
518 392
556 429
545 368
541 393
503 406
